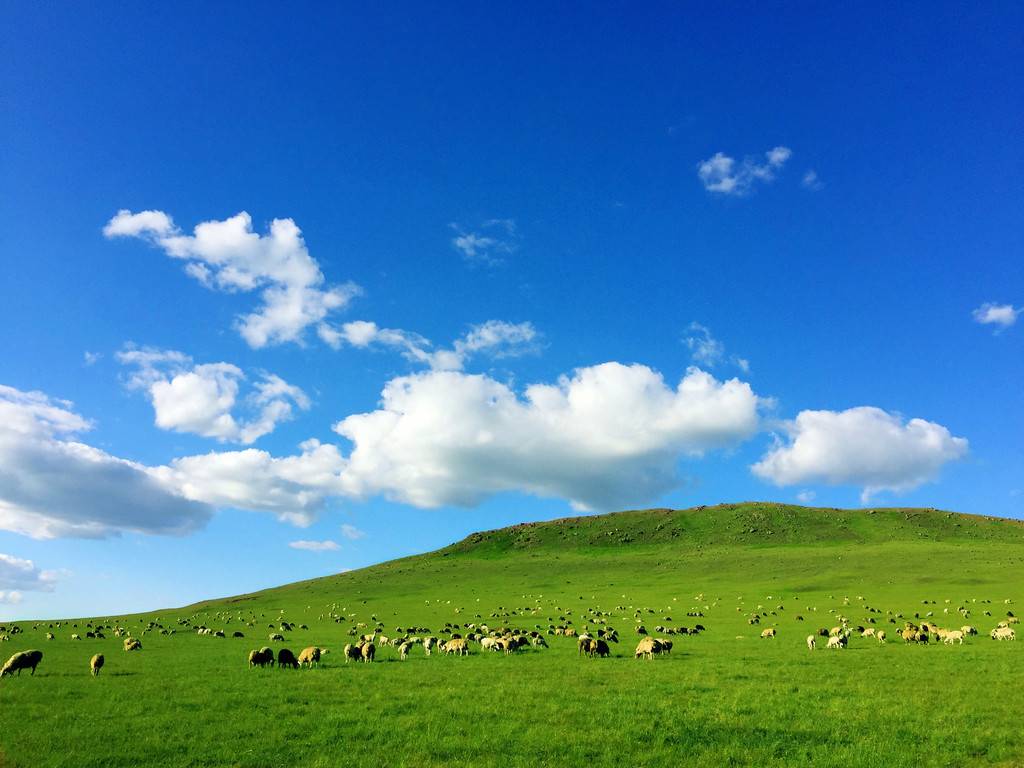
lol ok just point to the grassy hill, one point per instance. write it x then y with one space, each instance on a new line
724 697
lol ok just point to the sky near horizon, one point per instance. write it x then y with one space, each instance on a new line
291 293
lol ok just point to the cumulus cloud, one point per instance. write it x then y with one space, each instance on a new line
863 446
18 575
229 256
352 533
495 338
199 399
609 435
315 546
490 244
293 488
1002 316
709 352
724 175
51 485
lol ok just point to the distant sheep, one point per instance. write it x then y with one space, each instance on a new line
811 641
403 650
96 664
132 644
770 632
20 661
880 635
276 637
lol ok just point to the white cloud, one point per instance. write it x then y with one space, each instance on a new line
18 575
315 546
722 174
91 358
351 532
806 497
811 181
1000 315
709 352
228 256
294 488
13 597
53 486
495 338
199 399
611 435
864 446
490 245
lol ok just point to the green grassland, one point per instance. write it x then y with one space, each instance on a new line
721 698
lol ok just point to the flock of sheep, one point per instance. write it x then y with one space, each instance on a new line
593 638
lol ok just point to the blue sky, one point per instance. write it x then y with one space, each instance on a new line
521 230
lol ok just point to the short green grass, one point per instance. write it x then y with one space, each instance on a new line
722 698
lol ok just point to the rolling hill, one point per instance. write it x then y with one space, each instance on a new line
723 697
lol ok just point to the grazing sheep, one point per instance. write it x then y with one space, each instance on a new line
1003 633
770 632
261 658
489 644
49 636
967 629
96 664
646 648
954 636
869 632
880 635
403 650
351 653
74 636
429 643
601 649
132 644
21 660
539 642
457 646
276 637
837 641
236 633
811 642
309 656
367 651
285 658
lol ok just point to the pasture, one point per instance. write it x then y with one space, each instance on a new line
722 697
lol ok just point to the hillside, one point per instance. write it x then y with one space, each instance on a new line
754 541
723 696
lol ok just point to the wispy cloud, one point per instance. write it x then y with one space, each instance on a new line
722 174
490 244
352 533
707 351
495 338
315 546
811 181
1002 316
91 358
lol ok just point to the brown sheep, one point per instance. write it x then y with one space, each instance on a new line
96 664
20 661
309 656
457 646
367 651
646 648
132 644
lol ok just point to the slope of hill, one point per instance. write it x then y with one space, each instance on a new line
723 697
